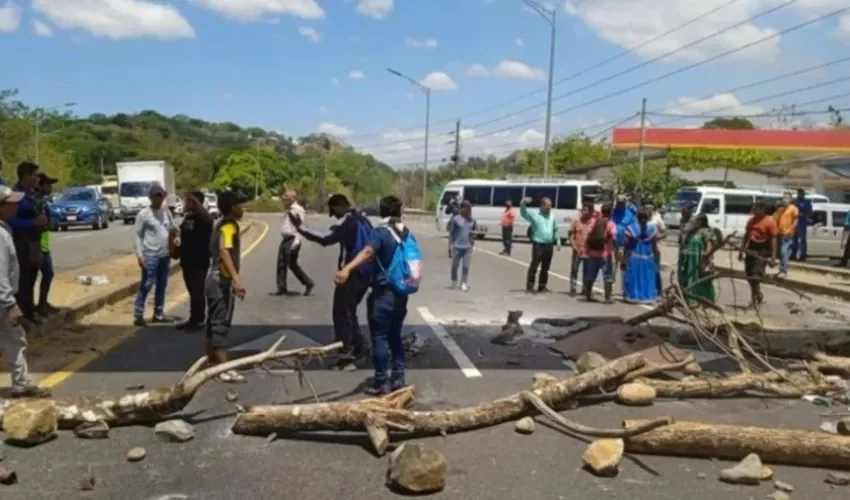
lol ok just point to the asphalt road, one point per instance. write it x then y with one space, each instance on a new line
80 247
457 367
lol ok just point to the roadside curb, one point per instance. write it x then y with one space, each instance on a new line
91 304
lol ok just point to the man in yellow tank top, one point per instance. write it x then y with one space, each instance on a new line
45 187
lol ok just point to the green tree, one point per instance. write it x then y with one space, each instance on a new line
733 159
655 183
732 123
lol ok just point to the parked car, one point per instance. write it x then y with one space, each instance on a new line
371 210
75 207
211 205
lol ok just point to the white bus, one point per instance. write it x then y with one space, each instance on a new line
728 209
488 199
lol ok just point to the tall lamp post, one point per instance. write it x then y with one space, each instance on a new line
549 16
39 115
427 92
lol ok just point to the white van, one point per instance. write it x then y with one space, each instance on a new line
488 199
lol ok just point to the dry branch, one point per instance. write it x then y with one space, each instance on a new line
153 405
654 369
779 446
265 420
773 384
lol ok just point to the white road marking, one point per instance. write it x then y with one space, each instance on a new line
463 362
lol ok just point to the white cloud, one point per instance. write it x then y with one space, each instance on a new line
335 80
10 17
334 130
725 103
310 34
410 96
428 43
627 23
117 19
41 28
356 74
519 42
254 10
507 69
843 30
377 9
438 80
323 110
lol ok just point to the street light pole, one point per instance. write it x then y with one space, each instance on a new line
427 92
550 17
39 114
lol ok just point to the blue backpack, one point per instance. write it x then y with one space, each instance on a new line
404 274
362 236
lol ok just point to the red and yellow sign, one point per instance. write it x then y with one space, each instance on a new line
772 140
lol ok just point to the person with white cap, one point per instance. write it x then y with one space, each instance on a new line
154 233
13 338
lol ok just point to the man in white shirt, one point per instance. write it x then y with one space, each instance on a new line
290 247
658 221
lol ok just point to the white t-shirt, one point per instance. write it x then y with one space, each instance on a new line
658 222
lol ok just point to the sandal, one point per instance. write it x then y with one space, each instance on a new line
231 377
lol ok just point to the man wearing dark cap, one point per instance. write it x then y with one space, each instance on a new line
195 232
224 283
27 227
45 187
154 231
352 234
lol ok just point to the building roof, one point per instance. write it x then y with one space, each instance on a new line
772 140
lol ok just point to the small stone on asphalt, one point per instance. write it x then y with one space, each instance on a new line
136 454
837 478
416 468
778 495
635 394
766 473
92 430
8 477
87 482
602 457
747 471
783 486
525 425
231 396
176 431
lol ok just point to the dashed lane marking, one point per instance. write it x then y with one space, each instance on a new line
463 362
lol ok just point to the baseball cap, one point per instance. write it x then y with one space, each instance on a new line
156 188
9 196
46 179
229 199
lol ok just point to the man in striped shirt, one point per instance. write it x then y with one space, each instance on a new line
290 247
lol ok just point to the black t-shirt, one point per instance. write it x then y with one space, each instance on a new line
195 233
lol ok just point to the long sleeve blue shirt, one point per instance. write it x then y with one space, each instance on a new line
23 224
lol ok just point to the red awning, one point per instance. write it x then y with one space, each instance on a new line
775 140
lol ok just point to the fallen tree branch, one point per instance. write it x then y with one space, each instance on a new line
268 419
153 405
766 383
654 369
778 446
577 428
829 364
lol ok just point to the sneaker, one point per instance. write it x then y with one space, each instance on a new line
231 377
464 287
30 391
161 318
378 390
140 322
308 290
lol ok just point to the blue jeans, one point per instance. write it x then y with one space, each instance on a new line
386 313
785 243
46 279
800 242
464 256
594 265
575 265
156 270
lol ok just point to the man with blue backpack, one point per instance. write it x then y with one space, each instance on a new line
353 233
396 274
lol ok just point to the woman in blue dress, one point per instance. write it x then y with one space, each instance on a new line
639 285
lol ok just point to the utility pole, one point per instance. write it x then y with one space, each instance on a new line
456 157
259 170
550 17
642 137
427 92
324 147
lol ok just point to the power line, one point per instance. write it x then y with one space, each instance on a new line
577 74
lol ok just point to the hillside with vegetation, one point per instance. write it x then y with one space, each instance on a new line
79 150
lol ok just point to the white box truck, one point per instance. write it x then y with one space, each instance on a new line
135 179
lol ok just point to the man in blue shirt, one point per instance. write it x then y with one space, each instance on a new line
801 234
623 216
386 308
27 227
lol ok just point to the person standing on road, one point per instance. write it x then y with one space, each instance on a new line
600 245
45 187
462 229
290 247
757 250
224 283
787 218
579 229
657 221
195 233
452 209
13 338
27 227
700 241
685 225
800 247
353 233
155 232
639 260
544 238
623 216
508 218
387 306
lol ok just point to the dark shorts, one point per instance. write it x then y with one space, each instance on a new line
220 303
755 262
594 265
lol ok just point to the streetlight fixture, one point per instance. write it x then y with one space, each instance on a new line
427 92
549 16
39 115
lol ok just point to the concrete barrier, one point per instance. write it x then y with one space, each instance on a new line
113 293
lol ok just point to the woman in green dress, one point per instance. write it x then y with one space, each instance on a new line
699 241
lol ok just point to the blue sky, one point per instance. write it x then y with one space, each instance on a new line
300 66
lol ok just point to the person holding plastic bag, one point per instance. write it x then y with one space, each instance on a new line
396 276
